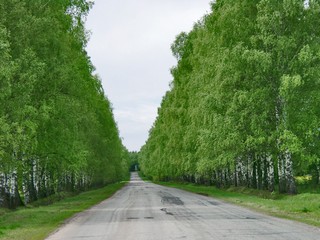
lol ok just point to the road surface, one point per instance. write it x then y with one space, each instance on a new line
145 211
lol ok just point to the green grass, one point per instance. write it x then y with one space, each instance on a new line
36 222
303 207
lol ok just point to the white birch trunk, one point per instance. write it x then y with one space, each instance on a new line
281 174
270 173
2 189
290 182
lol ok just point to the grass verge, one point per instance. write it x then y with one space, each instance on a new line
35 223
304 207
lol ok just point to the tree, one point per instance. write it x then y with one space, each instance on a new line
242 109
57 127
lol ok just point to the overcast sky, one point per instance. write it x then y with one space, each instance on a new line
130 48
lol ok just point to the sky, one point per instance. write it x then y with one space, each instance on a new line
130 47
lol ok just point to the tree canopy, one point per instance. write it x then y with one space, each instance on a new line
244 105
57 130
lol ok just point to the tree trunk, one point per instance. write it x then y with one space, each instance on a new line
14 196
259 173
265 172
290 182
271 173
254 175
235 174
3 193
248 172
30 183
281 174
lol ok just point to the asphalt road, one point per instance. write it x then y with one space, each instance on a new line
145 211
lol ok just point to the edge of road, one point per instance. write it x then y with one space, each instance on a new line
40 222
255 203
70 219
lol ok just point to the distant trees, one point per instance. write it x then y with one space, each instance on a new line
244 105
133 159
57 131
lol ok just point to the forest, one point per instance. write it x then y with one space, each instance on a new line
243 105
57 130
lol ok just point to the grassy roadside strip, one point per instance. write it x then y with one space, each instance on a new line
35 223
304 207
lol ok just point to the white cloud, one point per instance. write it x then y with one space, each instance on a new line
130 47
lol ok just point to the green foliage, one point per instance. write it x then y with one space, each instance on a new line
57 129
243 108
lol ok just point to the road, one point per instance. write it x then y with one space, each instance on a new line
146 211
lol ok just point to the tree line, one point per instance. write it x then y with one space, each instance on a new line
57 130
243 108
